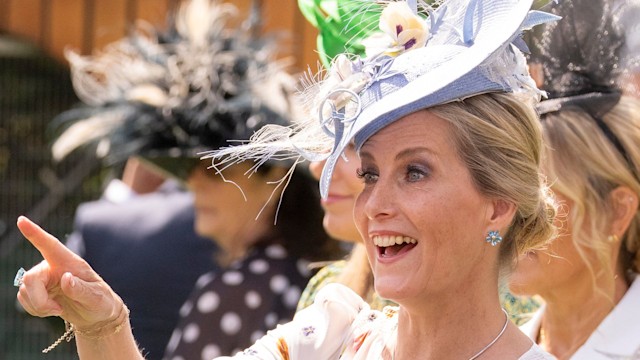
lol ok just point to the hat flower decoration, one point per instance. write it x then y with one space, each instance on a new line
420 57
402 29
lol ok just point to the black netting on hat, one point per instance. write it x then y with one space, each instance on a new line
589 50
586 57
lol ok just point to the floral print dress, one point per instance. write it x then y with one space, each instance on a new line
339 325
328 275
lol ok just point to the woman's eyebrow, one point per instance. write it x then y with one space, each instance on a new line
366 155
415 150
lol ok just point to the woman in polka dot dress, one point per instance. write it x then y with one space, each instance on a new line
265 266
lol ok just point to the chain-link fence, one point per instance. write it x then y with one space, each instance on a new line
33 89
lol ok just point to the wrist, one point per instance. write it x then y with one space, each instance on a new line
107 327
99 331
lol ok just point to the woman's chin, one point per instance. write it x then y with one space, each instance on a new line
390 288
341 228
205 229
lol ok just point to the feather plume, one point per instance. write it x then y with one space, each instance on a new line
182 90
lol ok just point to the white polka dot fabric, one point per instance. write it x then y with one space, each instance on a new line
230 310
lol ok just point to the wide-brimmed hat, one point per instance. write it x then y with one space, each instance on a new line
168 94
420 58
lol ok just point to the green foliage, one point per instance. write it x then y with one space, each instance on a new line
342 24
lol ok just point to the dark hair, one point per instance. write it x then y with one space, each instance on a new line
299 220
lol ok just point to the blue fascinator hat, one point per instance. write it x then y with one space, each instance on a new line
421 57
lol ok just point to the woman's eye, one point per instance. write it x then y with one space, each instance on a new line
367 176
415 174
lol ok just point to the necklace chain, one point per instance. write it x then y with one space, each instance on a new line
504 327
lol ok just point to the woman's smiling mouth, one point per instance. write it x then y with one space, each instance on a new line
393 245
334 198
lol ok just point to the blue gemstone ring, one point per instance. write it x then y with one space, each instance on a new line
17 281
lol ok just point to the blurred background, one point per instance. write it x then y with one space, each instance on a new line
34 87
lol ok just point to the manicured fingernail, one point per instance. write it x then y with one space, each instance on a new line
72 279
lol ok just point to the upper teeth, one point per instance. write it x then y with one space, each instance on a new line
386 240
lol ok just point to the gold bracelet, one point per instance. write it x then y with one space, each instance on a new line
110 328
68 336
94 334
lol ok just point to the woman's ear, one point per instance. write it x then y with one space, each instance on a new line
537 74
501 214
624 203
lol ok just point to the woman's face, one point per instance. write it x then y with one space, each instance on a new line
343 191
419 192
221 211
558 266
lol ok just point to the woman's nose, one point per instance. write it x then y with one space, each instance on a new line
315 167
194 178
378 202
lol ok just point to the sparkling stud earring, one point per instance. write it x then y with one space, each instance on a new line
612 239
494 237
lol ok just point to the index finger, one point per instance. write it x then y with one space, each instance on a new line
48 245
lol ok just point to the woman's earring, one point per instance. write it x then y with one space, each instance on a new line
612 239
494 237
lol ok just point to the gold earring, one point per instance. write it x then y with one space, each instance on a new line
612 239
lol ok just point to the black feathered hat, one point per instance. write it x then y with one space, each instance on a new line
167 95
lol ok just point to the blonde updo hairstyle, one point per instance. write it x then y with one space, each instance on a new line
585 167
498 137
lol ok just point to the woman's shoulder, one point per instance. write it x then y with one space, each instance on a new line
266 274
320 331
360 328
272 258
617 335
349 299
326 275
340 294
536 353
531 326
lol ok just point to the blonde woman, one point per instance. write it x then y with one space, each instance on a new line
588 276
355 271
